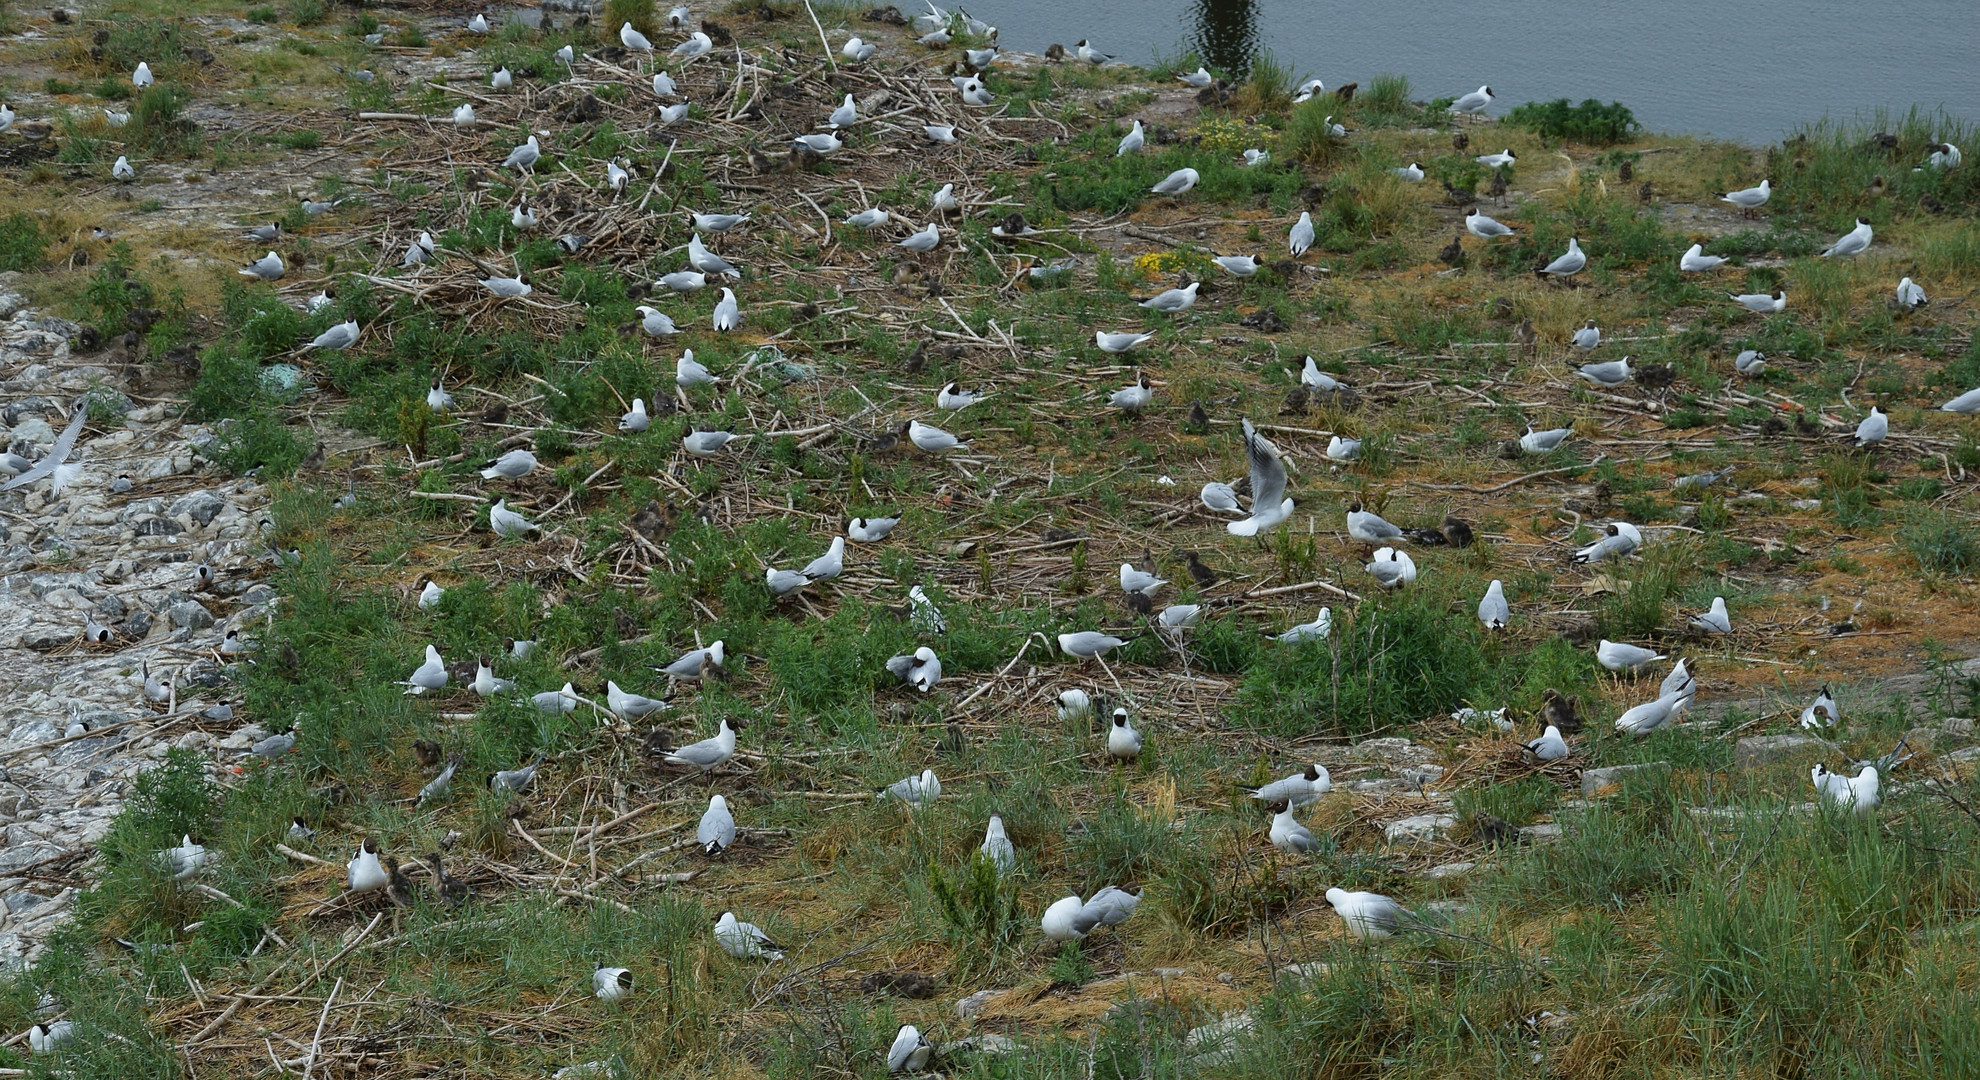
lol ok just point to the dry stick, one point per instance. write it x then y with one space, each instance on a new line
309 1060
826 45
1600 458
978 692
369 927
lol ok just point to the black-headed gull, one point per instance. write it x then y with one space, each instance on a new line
1493 610
1853 242
1177 182
1873 428
1132 142
1761 303
1269 504
1301 236
745 941
1694 260
1474 102
1479 224
1749 199
1570 262
1715 621
1369 916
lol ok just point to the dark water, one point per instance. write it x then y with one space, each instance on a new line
1749 70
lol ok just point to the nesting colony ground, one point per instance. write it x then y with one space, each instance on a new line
1700 915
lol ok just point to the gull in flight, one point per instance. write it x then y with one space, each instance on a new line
1269 506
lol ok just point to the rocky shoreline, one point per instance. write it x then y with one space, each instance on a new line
121 560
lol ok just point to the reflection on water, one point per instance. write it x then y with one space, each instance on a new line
1226 34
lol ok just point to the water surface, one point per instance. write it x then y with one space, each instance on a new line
1749 71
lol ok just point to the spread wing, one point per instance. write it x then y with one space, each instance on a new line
64 443
1268 473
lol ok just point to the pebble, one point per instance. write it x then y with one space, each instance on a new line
121 560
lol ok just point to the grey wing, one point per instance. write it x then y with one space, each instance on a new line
1303 841
705 752
901 667
1386 914
1268 473
64 443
